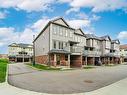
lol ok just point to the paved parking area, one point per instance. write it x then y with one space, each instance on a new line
64 82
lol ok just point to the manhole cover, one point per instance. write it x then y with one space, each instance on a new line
88 81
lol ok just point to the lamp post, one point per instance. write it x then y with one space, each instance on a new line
33 51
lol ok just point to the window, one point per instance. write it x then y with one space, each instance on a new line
78 39
61 31
66 34
81 40
71 34
58 29
54 29
60 45
54 44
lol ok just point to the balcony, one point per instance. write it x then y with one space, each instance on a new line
92 53
74 49
115 54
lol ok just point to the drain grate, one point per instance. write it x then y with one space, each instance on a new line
88 81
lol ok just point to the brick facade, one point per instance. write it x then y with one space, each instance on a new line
43 59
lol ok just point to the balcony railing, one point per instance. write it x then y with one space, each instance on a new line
92 53
74 49
113 54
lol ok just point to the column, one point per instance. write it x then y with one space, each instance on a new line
93 60
54 60
15 59
108 60
81 61
86 60
69 60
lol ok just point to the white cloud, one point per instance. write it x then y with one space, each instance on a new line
122 35
64 1
79 23
72 10
2 15
9 35
39 25
100 5
27 5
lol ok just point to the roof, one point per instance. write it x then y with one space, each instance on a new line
61 19
116 41
21 45
123 46
92 36
53 21
59 51
104 37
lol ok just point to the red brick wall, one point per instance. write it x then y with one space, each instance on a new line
43 59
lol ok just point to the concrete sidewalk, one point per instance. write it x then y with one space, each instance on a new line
118 88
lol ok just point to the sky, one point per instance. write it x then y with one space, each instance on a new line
21 19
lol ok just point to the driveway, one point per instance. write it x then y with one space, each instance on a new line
64 82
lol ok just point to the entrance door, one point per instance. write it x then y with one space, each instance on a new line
58 59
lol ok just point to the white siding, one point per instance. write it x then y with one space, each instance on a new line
42 43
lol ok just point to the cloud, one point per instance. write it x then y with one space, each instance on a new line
64 1
72 10
9 35
2 15
122 35
39 25
99 5
79 23
27 5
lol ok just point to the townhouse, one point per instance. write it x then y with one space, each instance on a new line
123 53
60 45
20 52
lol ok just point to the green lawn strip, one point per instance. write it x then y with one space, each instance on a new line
88 67
111 65
3 68
43 67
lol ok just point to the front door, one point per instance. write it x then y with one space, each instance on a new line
58 59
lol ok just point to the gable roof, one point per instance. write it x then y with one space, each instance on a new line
79 31
92 36
20 45
104 37
116 41
60 18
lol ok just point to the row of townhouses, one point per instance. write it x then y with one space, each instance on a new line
123 52
19 52
60 45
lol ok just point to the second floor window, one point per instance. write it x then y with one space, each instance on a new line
60 45
54 29
54 44
61 31
66 34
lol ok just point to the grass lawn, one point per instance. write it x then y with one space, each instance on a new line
111 65
43 67
88 67
3 68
